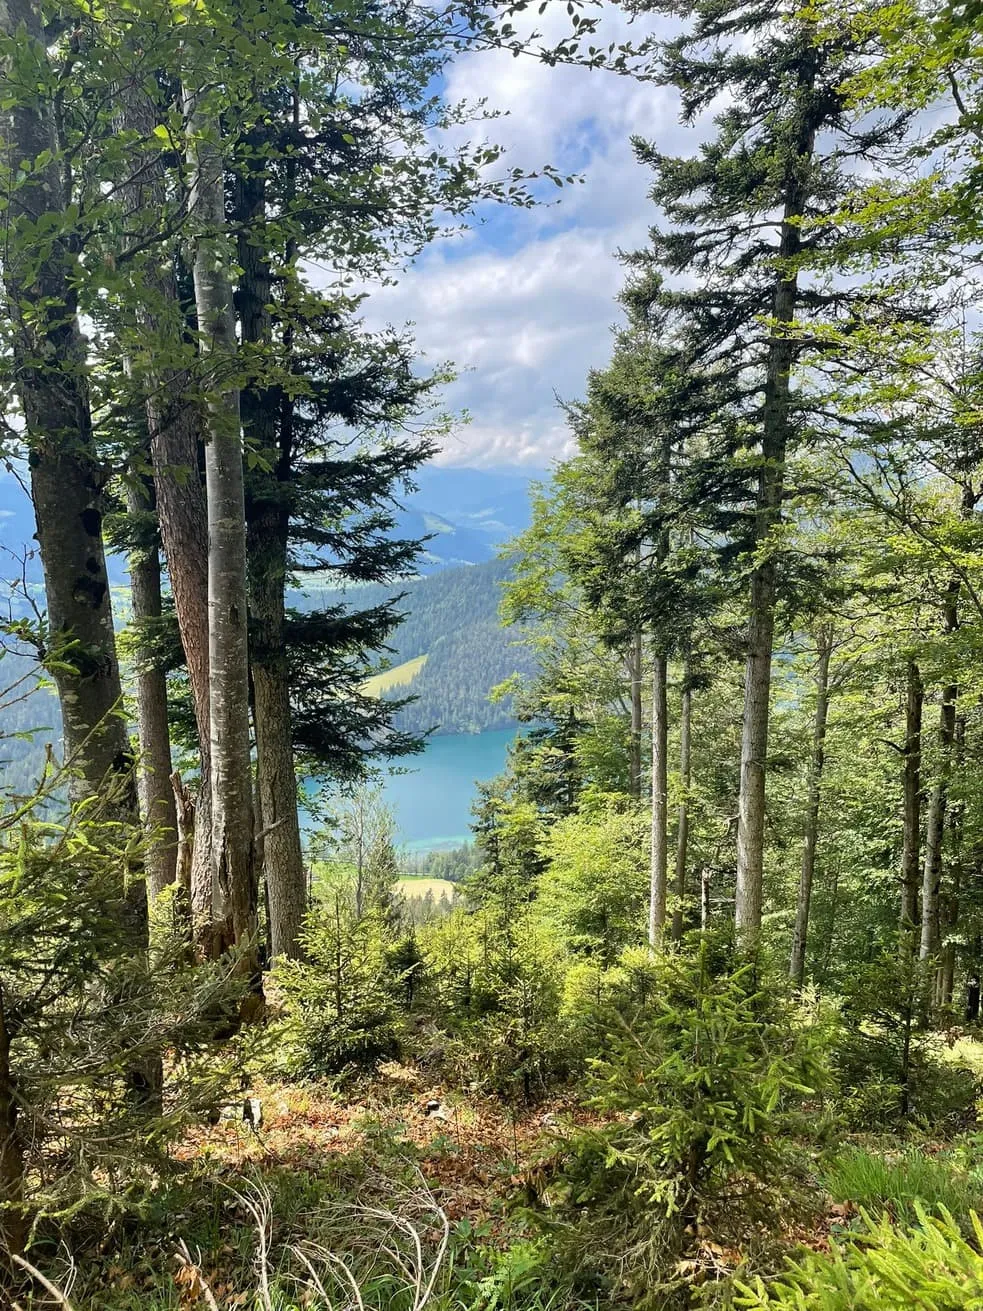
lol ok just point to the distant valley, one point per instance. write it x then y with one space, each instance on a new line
448 652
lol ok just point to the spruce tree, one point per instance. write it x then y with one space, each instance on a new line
744 225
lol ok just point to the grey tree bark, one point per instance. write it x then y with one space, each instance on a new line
911 805
810 838
156 794
949 908
176 426
706 888
939 797
66 476
935 828
228 665
40 267
682 814
660 802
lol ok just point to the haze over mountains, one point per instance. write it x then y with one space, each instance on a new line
450 629
467 513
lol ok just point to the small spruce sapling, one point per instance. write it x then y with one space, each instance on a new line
702 1089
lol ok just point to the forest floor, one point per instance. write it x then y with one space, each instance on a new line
475 1150
325 1165
320 1158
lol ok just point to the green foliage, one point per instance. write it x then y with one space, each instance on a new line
595 886
86 1013
454 865
888 1066
702 1090
883 1269
344 1003
495 988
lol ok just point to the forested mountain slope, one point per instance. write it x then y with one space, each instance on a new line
452 619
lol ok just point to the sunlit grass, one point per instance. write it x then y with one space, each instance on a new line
893 1183
399 676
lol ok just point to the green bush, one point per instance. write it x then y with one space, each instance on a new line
887 1064
345 1003
494 988
594 889
868 1064
87 1106
884 1269
702 1090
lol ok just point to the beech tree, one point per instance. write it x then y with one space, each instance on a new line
266 158
228 659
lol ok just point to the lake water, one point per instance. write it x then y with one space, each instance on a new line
432 800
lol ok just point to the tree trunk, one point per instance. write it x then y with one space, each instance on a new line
48 356
184 807
660 802
228 679
286 881
935 829
154 771
706 888
749 902
13 1219
911 805
938 799
267 419
947 968
682 817
635 742
950 908
176 425
797 965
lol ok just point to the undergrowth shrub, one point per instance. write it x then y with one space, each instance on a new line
889 1068
869 1066
494 990
702 1094
883 1269
344 1005
106 1048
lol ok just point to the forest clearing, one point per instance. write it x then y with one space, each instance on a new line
398 676
322 457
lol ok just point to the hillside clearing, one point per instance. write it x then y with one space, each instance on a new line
415 888
399 676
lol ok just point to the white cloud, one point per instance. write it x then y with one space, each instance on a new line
523 306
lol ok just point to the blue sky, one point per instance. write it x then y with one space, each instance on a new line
523 304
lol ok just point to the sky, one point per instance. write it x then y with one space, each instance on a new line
523 303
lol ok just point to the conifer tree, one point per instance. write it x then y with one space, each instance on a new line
742 224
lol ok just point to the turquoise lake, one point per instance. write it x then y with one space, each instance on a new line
432 800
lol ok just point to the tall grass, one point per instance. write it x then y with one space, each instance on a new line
893 1184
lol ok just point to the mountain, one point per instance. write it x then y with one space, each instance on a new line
449 651
467 514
